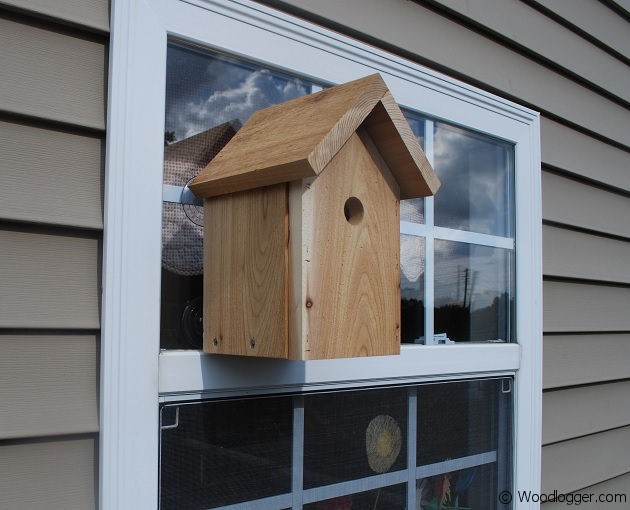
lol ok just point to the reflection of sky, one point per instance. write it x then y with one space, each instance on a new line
464 271
475 192
203 90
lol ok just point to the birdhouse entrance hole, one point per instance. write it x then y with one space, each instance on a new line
353 210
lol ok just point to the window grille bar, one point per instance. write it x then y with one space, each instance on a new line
447 466
298 452
271 503
462 236
412 415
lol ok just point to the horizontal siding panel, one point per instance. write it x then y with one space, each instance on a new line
55 475
619 485
50 177
577 153
595 19
48 281
48 385
576 307
51 75
444 42
89 13
573 203
583 359
529 28
581 411
571 254
573 465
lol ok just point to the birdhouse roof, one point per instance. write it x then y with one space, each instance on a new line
298 138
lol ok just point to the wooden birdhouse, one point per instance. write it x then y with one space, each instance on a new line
301 216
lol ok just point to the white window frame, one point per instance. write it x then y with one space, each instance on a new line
135 376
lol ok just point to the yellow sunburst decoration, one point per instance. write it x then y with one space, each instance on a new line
382 443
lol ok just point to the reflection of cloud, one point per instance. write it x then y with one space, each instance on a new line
224 91
474 175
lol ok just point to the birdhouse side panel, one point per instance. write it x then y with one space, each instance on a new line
245 273
352 295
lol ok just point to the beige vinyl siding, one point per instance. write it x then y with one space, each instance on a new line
51 475
595 19
52 75
445 43
580 205
570 254
576 412
570 360
521 53
579 154
88 13
49 176
572 465
575 307
52 116
48 281
48 385
555 43
617 486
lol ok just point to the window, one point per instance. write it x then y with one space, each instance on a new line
470 277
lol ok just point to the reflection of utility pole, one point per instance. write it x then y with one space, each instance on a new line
473 279
465 286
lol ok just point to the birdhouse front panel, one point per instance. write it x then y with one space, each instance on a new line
348 275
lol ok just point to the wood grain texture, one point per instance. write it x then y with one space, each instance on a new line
48 281
438 40
352 300
575 307
398 146
50 176
51 75
570 360
576 412
292 140
574 203
527 28
55 475
48 385
579 154
585 461
88 13
617 485
571 254
245 273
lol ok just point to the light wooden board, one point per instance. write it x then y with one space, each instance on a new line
352 299
51 376
572 465
55 475
576 412
52 75
245 273
582 359
50 176
292 140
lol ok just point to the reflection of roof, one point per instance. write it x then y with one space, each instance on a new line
297 139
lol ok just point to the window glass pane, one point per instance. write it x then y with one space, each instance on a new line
411 288
225 452
350 435
477 181
474 288
208 98
413 209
